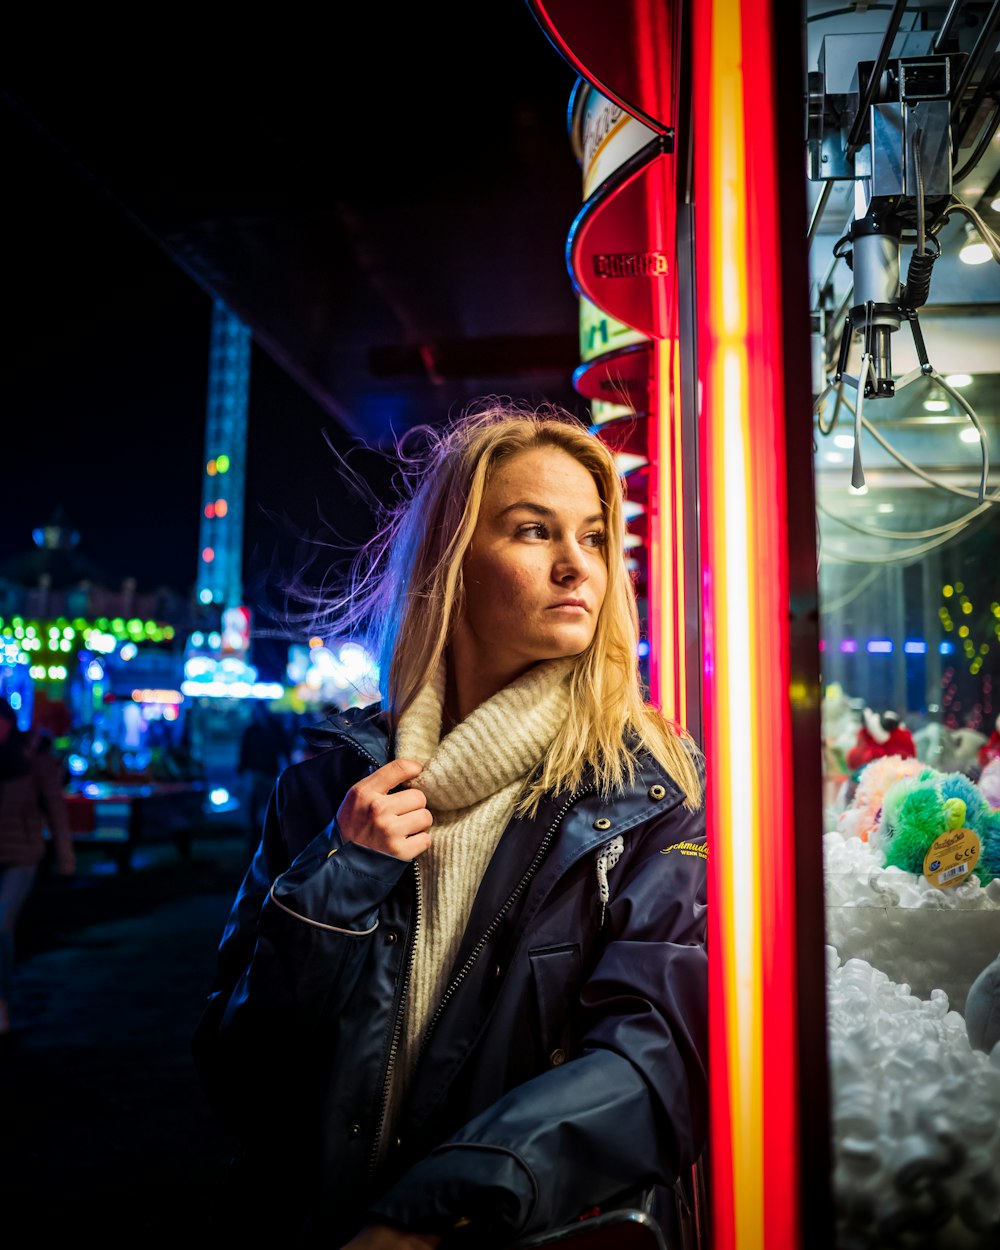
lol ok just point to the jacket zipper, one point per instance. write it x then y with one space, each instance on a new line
397 1027
357 747
494 923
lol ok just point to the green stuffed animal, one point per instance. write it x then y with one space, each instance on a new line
931 809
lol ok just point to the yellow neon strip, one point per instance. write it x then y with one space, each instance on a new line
665 549
738 746
680 580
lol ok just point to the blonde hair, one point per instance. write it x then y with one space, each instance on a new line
407 588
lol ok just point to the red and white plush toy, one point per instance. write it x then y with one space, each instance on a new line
882 733
990 750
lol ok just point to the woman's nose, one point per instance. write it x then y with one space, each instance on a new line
569 567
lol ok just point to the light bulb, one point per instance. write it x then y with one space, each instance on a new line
974 250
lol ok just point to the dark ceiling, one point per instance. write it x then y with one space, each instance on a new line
385 198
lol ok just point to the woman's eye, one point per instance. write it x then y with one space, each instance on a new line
597 539
535 530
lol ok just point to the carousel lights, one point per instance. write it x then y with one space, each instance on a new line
233 690
879 646
79 628
99 641
128 652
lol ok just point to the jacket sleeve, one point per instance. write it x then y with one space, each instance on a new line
629 1109
291 951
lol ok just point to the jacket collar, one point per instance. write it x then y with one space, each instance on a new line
365 727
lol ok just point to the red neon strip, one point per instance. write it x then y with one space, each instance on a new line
777 847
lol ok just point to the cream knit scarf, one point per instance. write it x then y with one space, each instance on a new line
472 779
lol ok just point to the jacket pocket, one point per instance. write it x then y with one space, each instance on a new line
555 971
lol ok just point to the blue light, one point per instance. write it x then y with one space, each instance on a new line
879 646
205 596
129 651
945 648
915 646
77 765
642 649
14 699
219 796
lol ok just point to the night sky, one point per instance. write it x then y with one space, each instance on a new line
103 390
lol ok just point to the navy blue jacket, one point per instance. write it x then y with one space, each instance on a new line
565 1066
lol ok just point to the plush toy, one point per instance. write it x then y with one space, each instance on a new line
982 1008
919 811
861 815
990 750
882 733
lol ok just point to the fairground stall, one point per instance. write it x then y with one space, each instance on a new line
786 257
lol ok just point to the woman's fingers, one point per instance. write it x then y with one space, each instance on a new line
378 814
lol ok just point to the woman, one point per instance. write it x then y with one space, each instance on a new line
461 996
31 799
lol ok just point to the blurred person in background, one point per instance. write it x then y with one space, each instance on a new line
264 752
31 800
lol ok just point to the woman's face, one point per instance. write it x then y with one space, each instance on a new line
536 571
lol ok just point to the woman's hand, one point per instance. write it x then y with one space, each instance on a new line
382 1237
376 814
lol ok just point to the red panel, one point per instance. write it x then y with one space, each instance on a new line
619 377
622 245
628 50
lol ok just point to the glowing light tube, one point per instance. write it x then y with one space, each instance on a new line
744 542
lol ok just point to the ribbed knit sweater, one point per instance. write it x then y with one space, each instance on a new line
472 779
